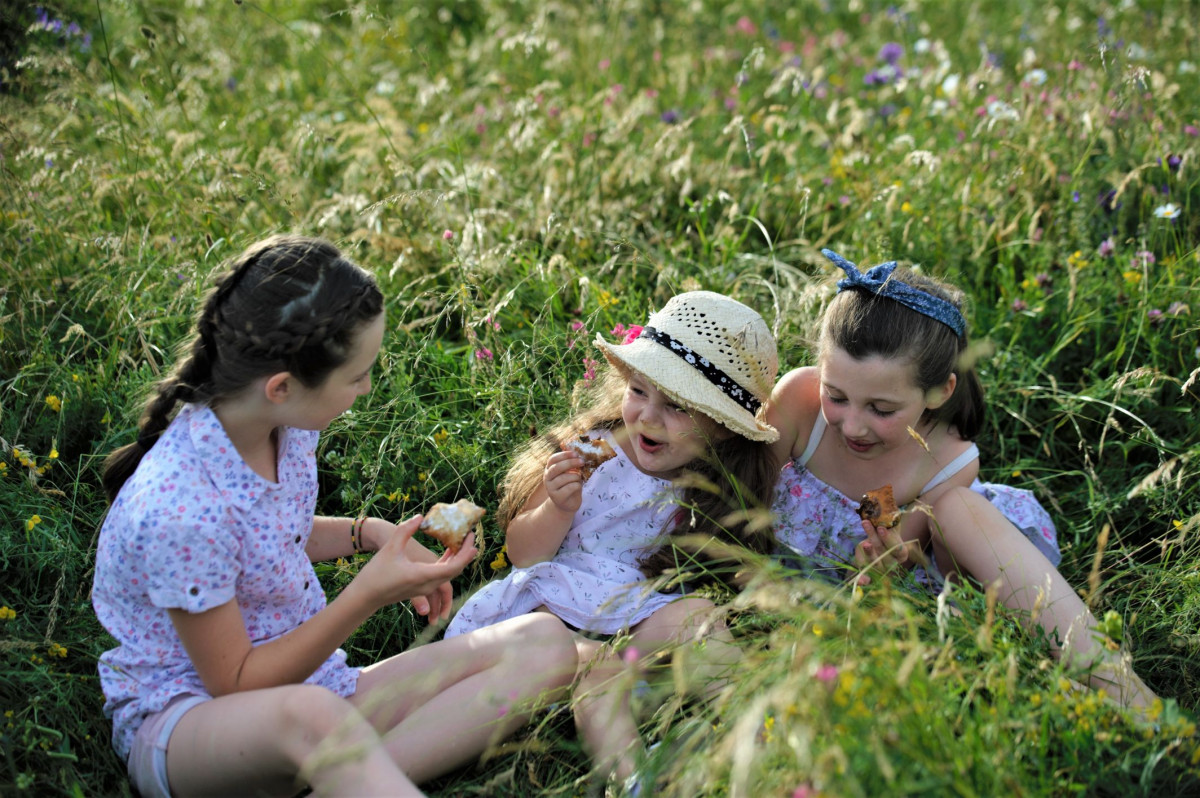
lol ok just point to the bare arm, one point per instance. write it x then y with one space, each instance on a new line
792 409
537 532
222 653
330 539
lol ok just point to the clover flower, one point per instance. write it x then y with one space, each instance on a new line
1106 248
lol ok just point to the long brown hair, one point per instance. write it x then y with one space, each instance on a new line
863 325
724 494
288 303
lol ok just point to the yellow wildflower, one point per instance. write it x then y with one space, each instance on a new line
53 453
55 650
75 378
906 207
607 300
501 562
440 436
7 613
54 403
32 522
422 476
3 466
1132 277
1076 260
1017 473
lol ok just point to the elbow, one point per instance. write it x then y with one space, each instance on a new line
524 559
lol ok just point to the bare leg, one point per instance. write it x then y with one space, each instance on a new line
603 712
272 742
441 706
977 539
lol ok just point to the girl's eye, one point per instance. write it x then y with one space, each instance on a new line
675 408
837 400
633 389
882 413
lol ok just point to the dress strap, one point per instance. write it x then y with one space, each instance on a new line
814 439
954 466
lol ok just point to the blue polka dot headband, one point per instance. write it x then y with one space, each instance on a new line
878 281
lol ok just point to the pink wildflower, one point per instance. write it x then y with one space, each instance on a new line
483 353
576 326
827 673
447 234
589 369
1106 247
746 25
632 333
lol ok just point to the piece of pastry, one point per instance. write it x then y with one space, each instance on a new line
592 451
449 524
879 507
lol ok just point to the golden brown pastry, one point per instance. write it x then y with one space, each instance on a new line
449 524
879 507
592 451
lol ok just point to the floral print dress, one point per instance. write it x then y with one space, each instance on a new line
593 582
818 525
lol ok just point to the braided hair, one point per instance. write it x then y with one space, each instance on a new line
288 303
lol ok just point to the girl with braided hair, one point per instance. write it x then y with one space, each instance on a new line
228 677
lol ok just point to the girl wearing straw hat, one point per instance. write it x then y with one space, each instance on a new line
682 407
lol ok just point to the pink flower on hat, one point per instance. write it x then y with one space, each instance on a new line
632 333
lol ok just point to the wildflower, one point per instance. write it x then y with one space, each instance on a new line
804 791
1075 196
577 326
827 673
618 331
1178 309
33 521
1019 305
440 436
630 655
604 64
501 562
589 369
891 53
1168 211
1042 279
495 324
483 353
1036 77
7 613
906 207
1132 277
1075 260
54 452
746 25
670 116
632 334
1143 257
422 476
1191 130
54 403
55 650
447 235
1154 315
1174 162
606 299
1106 248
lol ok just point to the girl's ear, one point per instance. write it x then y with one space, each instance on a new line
278 387
936 397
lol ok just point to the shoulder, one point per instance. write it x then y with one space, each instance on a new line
792 409
946 446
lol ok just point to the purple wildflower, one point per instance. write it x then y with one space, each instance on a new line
670 116
891 53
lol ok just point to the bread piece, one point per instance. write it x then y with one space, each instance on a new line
879 507
449 524
592 451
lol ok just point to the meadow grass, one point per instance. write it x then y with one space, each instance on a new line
522 176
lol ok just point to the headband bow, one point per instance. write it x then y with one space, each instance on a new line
878 281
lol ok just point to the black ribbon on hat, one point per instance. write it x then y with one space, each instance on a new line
724 383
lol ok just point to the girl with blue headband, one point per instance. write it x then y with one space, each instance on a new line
894 401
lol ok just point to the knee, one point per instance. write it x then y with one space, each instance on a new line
310 713
545 640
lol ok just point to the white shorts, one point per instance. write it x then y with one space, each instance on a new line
148 756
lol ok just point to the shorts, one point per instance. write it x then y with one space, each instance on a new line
148 756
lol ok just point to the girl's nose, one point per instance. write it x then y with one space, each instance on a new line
852 425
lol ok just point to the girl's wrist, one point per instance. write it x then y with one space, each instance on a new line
368 534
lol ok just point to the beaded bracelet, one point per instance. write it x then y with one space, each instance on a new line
356 527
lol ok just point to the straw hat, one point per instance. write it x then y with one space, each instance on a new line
709 353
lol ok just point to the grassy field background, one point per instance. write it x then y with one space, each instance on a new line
522 175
